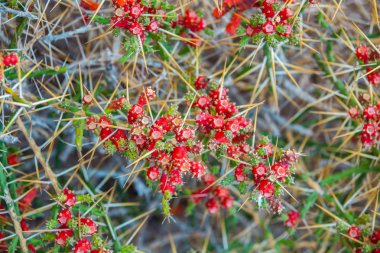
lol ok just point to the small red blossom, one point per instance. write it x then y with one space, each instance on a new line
293 219
89 5
212 206
70 198
201 82
64 216
10 60
82 246
240 176
153 173
62 236
375 236
354 232
362 53
267 188
90 223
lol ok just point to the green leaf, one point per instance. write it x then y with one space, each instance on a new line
79 127
322 21
209 32
97 211
38 73
242 187
128 54
100 19
85 198
356 170
244 41
116 32
128 249
12 246
227 180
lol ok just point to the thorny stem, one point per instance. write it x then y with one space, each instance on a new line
52 177
48 171
91 188
268 64
8 193
110 227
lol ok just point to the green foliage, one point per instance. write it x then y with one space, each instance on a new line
128 249
229 179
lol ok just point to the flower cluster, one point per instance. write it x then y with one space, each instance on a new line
274 24
140 20
369 116
167 143
228 135
215 195
10 60
239 6
171 147
369 56
136 18
74 231
24 203
191 23
364 238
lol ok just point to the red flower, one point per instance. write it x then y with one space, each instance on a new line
259 172
153 26
267 188
362 53
10 60
370 112
280 170
64 216
268 27
240 176
165 185
375 236
353 112
70 198
62 236
285 14
192 21
250 30
135 11
227 202
13 159
89 5
208 179
293 219
354 232
201 82
179 153
212 206
135 113
153 173
203 102
135 28
24 225
90 223
82 246
221 192
197 169
31 248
